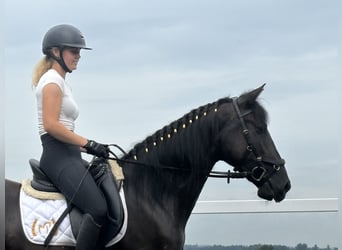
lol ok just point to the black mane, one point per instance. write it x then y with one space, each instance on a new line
189 119
175 127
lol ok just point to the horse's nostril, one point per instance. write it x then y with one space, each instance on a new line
288 186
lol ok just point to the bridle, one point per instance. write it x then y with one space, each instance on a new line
259 173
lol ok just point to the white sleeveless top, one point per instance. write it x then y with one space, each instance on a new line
69 109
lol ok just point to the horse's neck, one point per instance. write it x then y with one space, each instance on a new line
188 154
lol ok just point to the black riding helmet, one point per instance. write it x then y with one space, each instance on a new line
62 36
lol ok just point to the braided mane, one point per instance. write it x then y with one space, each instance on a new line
174 127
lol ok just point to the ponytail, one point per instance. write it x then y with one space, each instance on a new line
41 68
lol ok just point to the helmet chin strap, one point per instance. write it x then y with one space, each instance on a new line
60 60
62 63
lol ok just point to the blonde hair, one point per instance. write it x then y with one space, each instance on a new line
42 66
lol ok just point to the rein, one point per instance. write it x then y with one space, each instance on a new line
259 173
214 174
135 162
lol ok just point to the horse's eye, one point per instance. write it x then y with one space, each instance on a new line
261 129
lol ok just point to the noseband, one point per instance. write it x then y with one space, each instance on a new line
260 173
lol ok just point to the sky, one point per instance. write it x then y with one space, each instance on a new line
153 61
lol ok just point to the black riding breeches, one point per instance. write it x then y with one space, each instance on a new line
63 164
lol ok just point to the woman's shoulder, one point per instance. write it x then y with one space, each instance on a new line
51 76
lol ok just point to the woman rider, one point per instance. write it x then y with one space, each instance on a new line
57 111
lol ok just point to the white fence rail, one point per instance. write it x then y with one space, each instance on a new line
260 206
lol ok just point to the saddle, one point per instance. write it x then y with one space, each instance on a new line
101 171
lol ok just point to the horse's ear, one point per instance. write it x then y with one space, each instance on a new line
250 97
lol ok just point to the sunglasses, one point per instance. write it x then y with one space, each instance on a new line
73 50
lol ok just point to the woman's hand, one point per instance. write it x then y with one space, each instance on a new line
97 149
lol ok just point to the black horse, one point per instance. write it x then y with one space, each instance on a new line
165 173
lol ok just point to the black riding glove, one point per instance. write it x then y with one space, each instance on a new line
98 149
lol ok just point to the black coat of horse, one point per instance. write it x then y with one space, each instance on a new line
166 172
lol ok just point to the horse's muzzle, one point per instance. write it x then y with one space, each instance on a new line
268 192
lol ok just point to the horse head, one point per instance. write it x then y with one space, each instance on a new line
245 143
